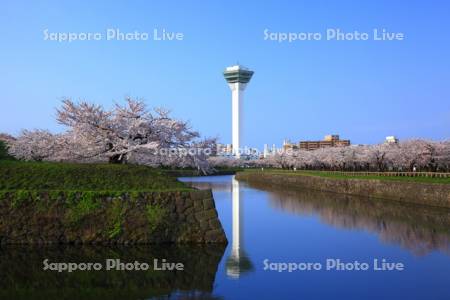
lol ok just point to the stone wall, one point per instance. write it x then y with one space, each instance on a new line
412 192
109 218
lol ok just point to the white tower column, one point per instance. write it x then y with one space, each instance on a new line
237 97
237 78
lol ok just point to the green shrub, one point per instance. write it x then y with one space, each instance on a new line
4 151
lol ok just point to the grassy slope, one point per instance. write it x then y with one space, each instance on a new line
17 175
342 176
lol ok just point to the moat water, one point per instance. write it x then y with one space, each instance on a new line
347 247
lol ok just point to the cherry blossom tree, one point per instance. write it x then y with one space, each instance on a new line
224 162
443 156
131 133
423 154
195 156
35 145
123 130
7 138
125 133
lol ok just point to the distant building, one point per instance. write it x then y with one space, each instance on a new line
329 141
289 146
391 140
331 137
224 150
252 153
270 151
266 151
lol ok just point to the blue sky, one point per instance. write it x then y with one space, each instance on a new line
363 90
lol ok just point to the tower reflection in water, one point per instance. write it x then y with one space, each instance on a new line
238 263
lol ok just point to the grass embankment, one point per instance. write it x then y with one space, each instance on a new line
344 176
18 175
83 188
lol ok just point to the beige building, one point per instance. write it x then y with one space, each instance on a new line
288 145
332 140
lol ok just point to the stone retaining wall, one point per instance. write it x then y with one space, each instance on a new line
412 192
102 218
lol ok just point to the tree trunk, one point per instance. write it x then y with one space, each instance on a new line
117 159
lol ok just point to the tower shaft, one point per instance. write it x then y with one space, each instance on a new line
237 97
237 78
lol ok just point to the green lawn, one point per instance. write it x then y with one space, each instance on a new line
343 176
19 175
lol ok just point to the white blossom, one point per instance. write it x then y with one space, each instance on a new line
122 134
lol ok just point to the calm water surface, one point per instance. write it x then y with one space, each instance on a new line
310 226
262 223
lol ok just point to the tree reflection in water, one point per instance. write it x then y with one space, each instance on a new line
22 275
418 228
